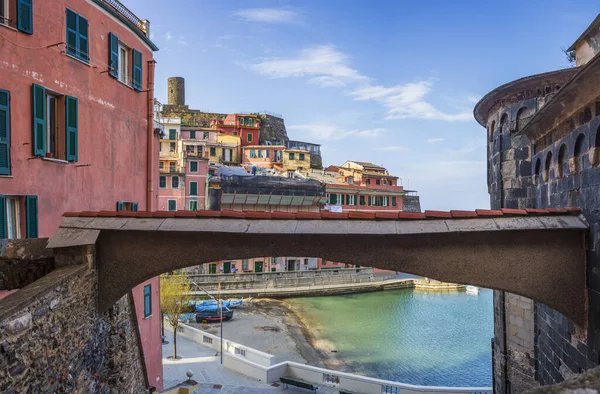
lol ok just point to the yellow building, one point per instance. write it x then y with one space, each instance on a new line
171 148
225 150
296 159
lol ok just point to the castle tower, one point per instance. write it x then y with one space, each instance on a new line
176 91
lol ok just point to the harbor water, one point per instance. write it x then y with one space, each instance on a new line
424 338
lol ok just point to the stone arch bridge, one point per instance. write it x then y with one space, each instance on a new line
539 254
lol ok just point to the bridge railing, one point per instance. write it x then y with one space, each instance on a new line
253 276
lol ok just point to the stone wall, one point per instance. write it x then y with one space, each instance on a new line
53 340
23 261
273 128
550 348
411 204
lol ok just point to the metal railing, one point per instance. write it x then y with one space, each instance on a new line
121 9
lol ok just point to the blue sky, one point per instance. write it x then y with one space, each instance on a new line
391 82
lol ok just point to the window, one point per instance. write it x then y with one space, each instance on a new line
350 180
350 199
394 203
305 261
252 153
538 169
4 131
205 135
172 166
127 206
147 301
172 205
362 200
260 153
193 188
193 205
10 216
301 156
292 157
77 36
172 134
547 167
249 137
384 201
123 63
213 151
193 134
193 166
172 147
578 154
241 121
175 182
161 165
54 135
372 200
267 153
235 133
162 182
378 182
368 181
245 265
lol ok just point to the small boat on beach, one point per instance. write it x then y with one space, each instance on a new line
213 317
472 289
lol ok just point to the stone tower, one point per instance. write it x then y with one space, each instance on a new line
176 91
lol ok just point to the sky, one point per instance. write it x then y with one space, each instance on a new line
391 82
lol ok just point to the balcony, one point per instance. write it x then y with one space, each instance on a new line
169 155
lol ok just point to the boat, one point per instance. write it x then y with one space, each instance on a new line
212 317
472 289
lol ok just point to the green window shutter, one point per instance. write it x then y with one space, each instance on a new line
39 120
333 199
3 229
394 201
291 156
83 38
342 200
137 69
172 134
193 166
249 137
134 207
172 205
31 208
162 181
301 156
113 55
213 151
25 16
72 33
120 206
362 200
193 134
72 137
193 188
267 153
4 132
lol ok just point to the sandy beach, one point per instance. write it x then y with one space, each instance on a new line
278 327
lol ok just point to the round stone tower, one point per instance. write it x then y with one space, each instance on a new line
176 91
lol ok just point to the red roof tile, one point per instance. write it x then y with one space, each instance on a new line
308 215
283 215
463 214
489 212
386 215
361 215
438 214
144 214
208 214
334 215
126 214
514 212
163 214
535 211
233 214
258 215
185 214
411 215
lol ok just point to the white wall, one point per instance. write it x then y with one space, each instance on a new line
263 367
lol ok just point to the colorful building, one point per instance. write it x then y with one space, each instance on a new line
263 156
226 149
296 160
76 126
314 150
245 126
171 181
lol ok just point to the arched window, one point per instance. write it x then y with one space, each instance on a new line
522 116
563 165
503 121
547 167
538 170
597 148
579 153
491 132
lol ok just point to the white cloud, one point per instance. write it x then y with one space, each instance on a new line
329 132
168 36
434 140
394 148
268 15
327 67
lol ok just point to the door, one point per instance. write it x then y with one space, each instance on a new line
291 265
227 267
258 266
212 269
226 155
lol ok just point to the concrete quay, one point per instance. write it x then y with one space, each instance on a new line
333 289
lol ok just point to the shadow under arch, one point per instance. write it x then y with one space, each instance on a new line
533 256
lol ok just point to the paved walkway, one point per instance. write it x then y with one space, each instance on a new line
208 371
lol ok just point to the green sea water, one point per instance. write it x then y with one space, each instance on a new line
424 338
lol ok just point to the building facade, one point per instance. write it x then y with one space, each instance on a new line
543 135
76 125
245 126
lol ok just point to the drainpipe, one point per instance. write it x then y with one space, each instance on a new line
150 151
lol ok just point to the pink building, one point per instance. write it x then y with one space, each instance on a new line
76 125
264 156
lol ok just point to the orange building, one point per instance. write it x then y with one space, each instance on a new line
246 126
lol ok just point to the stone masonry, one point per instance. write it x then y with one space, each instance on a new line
53 340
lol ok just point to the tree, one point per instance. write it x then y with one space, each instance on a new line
173 290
